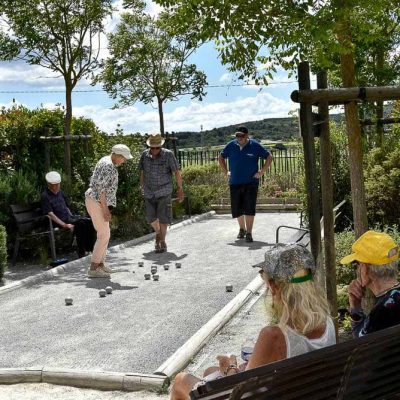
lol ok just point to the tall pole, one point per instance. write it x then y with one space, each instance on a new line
327 199
306 125
201 137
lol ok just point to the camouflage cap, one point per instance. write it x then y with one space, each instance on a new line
283 261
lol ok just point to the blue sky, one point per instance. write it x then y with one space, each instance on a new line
222 106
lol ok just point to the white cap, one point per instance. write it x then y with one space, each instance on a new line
53 177
122 150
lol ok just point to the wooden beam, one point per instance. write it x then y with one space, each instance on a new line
379 121
63 138
345 95
327 200
306 126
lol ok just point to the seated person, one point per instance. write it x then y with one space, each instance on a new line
300 308
54 204
376 256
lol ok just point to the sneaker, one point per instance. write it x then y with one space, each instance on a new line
249 237
241 234
98 273
105 268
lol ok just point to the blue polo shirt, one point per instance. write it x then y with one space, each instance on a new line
243 162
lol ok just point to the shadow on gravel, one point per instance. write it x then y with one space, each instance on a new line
99 283
256 245
162 258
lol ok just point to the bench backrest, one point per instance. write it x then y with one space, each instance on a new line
26 216
364 368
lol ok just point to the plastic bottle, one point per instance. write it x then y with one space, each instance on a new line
247 349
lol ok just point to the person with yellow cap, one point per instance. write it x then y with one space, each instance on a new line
376 256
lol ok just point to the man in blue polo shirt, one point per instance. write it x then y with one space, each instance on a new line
244 176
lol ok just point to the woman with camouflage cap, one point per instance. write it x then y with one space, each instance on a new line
299 307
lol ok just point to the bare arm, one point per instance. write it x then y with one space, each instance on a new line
58 221
222 163
270 347
267 163
178 177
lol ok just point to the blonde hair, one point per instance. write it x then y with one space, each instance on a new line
302 306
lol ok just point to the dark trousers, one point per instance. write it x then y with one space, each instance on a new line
84 232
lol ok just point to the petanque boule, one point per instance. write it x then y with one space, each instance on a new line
141 264
102 293
68 301
153 269
147 276
166 267
178 265
109 289
229 287
156 277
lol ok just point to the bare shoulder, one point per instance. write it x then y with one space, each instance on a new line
270 347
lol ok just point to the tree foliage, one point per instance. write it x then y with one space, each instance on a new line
61 35
148 62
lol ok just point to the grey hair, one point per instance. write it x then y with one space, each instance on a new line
384 272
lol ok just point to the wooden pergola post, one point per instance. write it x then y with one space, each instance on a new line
306 126
327 198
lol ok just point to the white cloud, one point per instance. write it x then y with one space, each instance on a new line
188 118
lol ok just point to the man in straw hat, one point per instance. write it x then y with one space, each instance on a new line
375 255
244 176
157 165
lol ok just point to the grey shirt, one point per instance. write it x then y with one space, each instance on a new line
158 173
104 179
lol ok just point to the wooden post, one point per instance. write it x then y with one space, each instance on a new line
327 199
47 132
309 162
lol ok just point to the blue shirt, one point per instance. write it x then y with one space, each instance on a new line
243 162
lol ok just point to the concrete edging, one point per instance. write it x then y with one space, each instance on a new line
98 380
81 262
182 356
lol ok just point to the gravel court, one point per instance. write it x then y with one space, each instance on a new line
143 322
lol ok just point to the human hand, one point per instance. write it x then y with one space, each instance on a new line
69 226
225 361
356 293
258 174
180 195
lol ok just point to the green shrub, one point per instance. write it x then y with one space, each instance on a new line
343 242
3 251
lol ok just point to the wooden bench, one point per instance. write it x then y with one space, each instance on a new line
30 223
359 369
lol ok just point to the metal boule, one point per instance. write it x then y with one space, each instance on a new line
102 293
68 301
178 264
109 289
141 264
166 267
229 287
147 276
156 277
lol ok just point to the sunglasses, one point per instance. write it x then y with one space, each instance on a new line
156 148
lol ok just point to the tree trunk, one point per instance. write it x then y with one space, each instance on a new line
161 116
379 104
353 130
67 128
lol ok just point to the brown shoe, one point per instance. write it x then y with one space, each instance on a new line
163 247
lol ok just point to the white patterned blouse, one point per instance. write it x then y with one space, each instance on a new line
104 179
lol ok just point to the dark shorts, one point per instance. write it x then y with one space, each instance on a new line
243 199
160 209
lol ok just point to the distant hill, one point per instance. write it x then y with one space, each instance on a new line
284 129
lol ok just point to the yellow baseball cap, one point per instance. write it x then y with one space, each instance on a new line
372 247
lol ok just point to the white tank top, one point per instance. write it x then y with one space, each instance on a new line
297 344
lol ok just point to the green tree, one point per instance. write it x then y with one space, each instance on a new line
255 37
61 35
148 62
